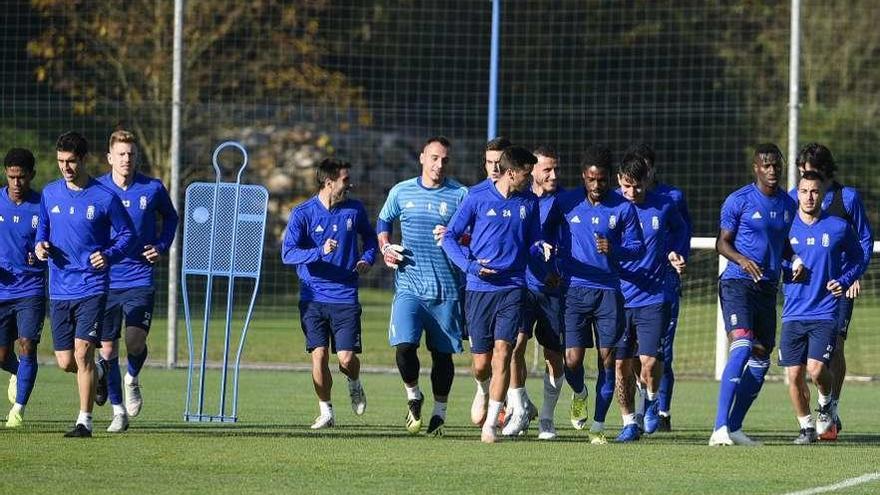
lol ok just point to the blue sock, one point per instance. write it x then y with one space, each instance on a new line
11 363
604 393
27 377
135 363
114 382
749 386
575 378
740 350
664 393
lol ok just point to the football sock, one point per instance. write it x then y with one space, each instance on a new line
604 393
749 386
27 378
407 362
442 373
492 416
740 350
552 388
136 362
440 410
85 419
325 407
114 381
575 379
412 393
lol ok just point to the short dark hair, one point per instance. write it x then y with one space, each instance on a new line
73 142
329 168
643 150
546 150
634 167
818 156
498 144
516 158
812 175
19 157
768 149
437 139
596 155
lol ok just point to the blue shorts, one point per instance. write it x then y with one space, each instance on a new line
588 310
750 306
22 318
135 303
441 321
643 330
542 314
76 319
844 315
333 325
492 316
801 340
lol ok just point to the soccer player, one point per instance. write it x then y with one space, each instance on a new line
755 221
83 229
426 295
505 226
643 283
321 240
22 280
840 201
672 291
542 315
131 279
828 246
494 148
599 229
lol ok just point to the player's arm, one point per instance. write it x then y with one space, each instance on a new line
296 247
853 264
369 242
123 239
41 240
170 219
536 236
679 240
724 243
682 207
460 255
632 244
392 254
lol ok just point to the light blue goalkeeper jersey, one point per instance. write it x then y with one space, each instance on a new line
426 272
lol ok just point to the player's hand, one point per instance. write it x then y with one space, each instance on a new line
798 271
854 290
330 245
834 288
439 231
362 267
552 280
42 250
541 249
677 261
392 255
464 240
98 260
487 272
751 268
602 244
151 253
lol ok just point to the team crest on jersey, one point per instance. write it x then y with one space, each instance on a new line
34 221
126 203
444 208
612 221
522 212
143 203
655 223
348 224
90 212
826 241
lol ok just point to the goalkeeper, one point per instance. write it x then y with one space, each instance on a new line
427 284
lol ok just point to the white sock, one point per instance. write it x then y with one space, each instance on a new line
552 388
85 419
118 409
515 398
651 395
823 399
412 393
483 387
326 408
806 421
440 410
492 416
597 426
628 419
17 408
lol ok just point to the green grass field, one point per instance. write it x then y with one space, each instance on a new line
271 449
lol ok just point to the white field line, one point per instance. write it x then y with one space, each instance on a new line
865 478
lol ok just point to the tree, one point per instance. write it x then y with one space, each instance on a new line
103 53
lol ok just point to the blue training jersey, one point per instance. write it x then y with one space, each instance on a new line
21 274
76 224
673 281
502 233
580 222
143 199
426 272
537 270
643 281
330 277
760 226
830 251
855 213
